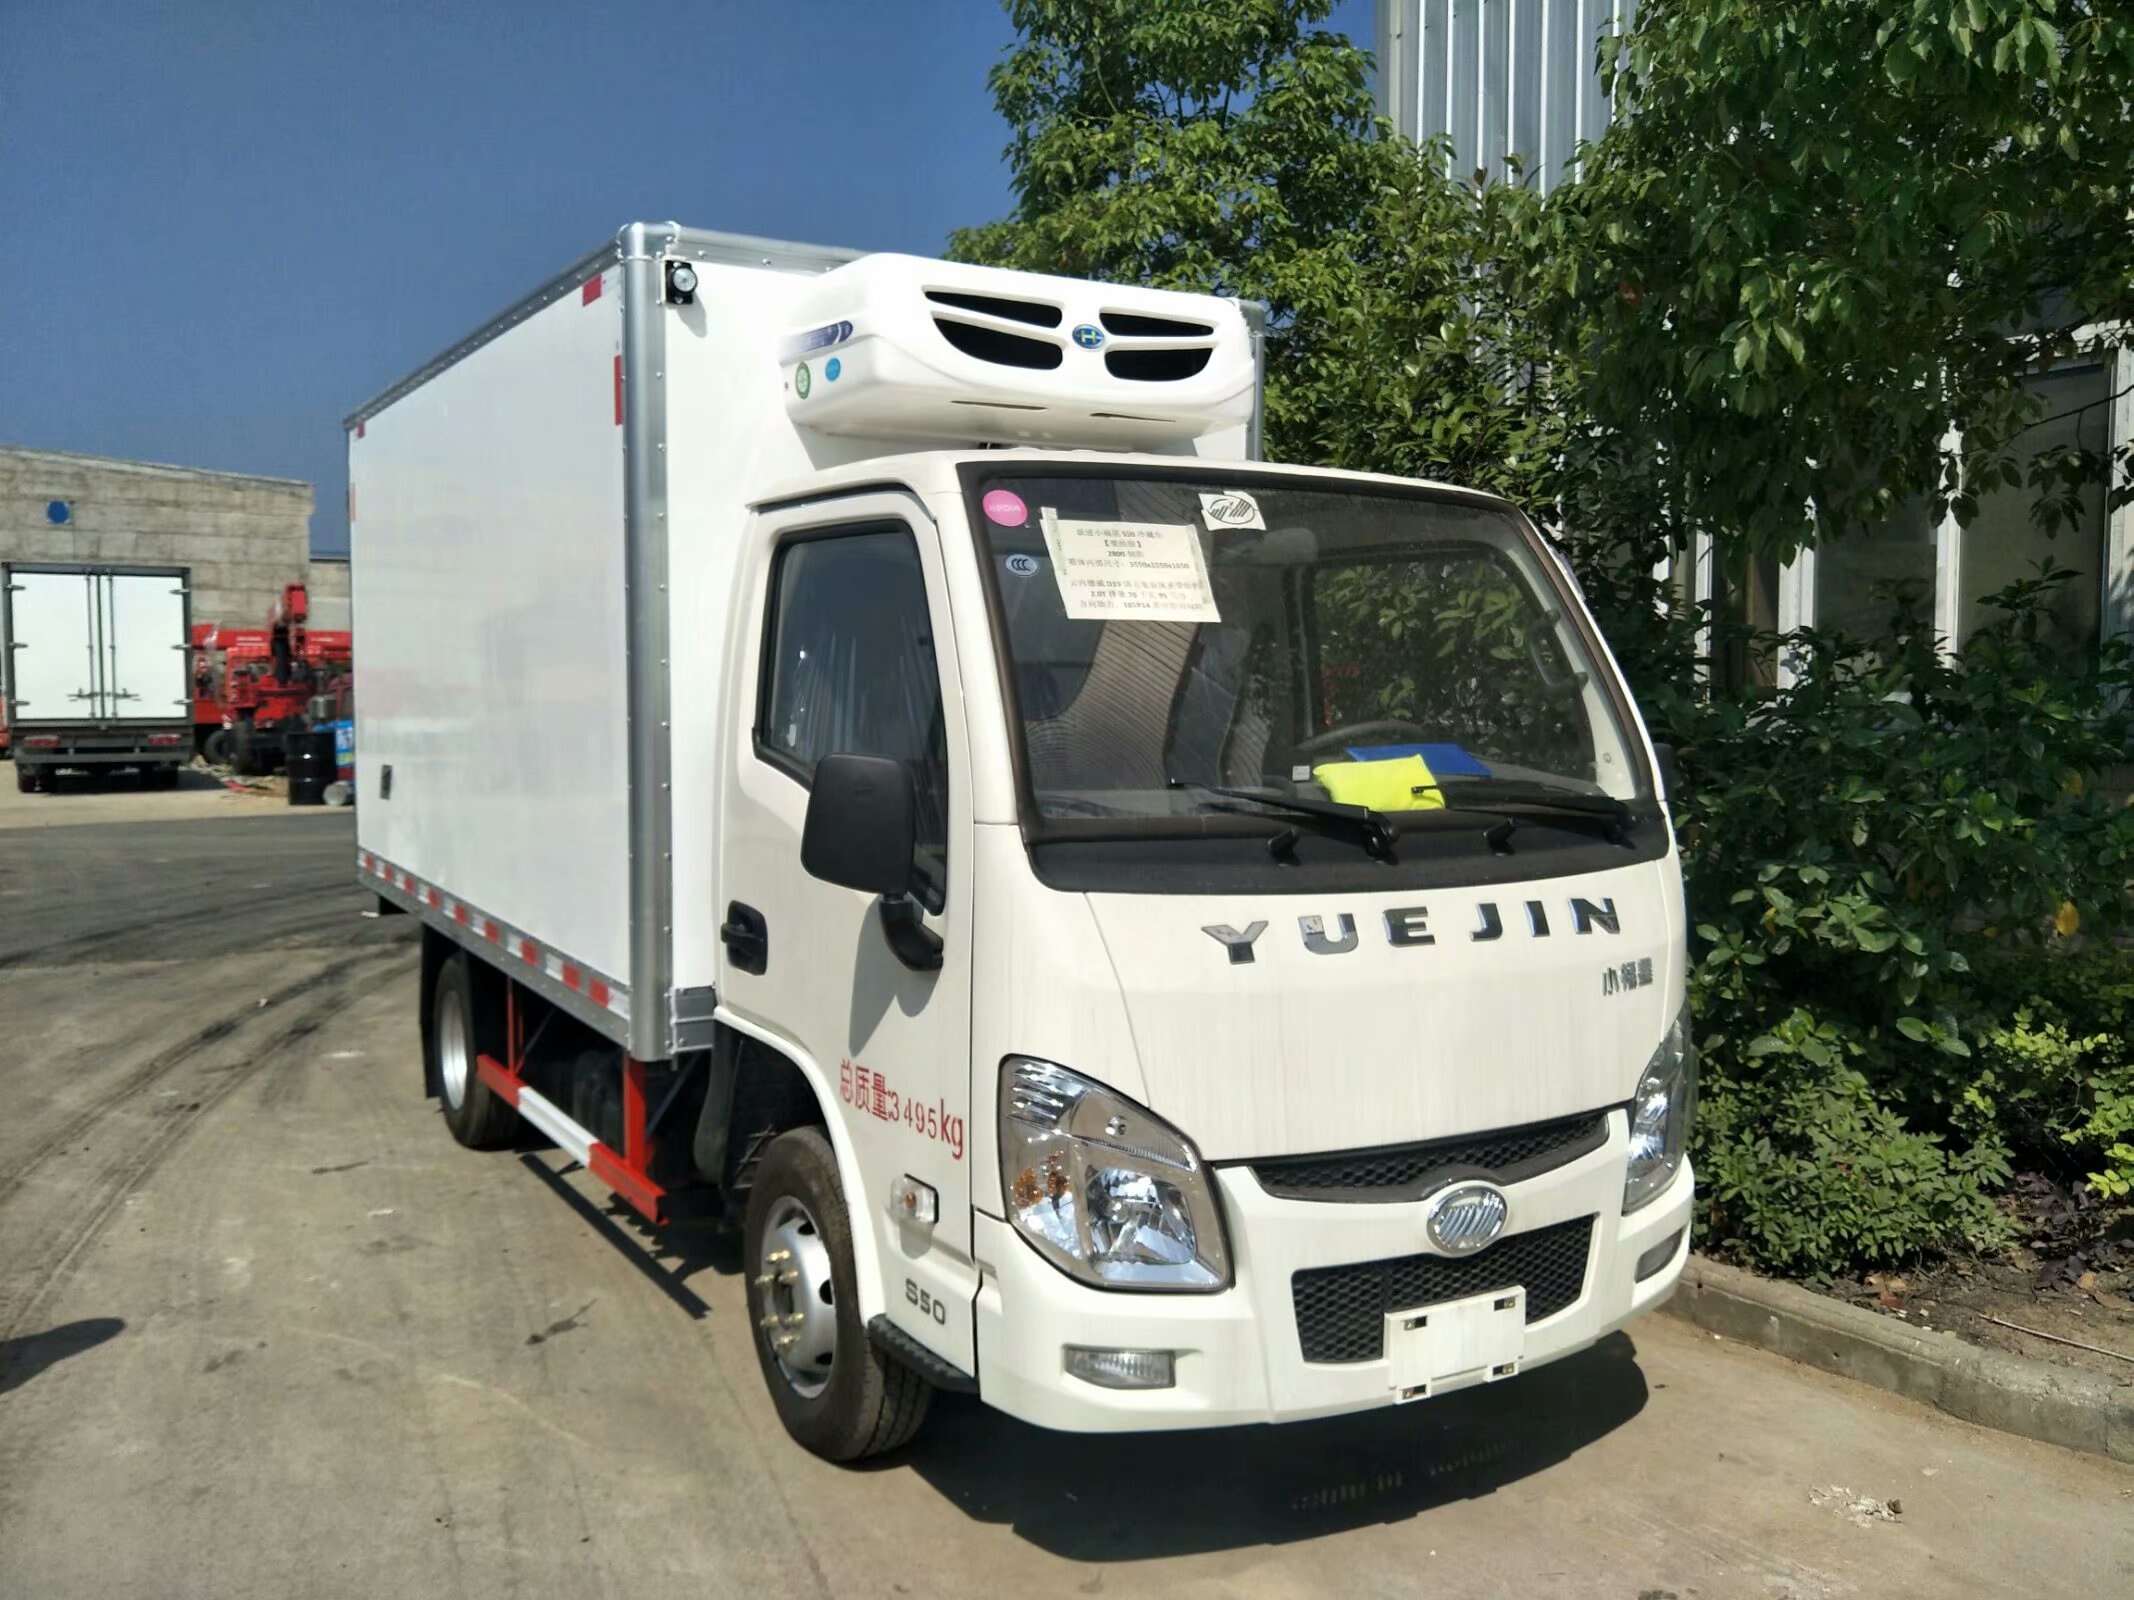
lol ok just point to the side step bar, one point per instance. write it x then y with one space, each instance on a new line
626 1177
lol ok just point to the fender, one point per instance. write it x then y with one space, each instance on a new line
866 1260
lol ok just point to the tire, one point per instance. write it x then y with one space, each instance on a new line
478 1117
864 1402
216 748
27 779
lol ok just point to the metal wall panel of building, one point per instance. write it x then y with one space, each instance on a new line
1499 78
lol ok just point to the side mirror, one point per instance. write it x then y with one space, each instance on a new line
860 828
1663 756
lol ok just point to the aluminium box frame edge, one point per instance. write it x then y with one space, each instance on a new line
661 1021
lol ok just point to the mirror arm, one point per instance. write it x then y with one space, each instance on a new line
910 939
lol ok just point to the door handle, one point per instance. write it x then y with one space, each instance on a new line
747 937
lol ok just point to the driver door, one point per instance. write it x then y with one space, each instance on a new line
845 648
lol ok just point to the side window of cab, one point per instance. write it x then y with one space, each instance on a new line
849 669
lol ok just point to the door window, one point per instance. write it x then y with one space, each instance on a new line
850 670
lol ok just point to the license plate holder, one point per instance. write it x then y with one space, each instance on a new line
1434 1349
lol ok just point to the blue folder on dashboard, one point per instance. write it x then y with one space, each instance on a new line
1446 760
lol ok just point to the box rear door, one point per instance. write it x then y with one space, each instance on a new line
52 623
145 676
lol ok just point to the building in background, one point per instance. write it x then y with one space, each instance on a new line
1519 78
244 537
1498 79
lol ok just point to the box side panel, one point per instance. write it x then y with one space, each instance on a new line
487 568
729 438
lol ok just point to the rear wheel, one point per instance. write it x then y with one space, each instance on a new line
216 747
28 779
835 1392
477 1115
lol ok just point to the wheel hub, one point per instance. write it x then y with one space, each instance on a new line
452 1047
799 1300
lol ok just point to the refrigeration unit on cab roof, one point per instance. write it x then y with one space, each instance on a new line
1150 937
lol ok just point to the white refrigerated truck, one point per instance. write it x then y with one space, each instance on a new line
1153 938
97 671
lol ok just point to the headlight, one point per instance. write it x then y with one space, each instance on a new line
1659 1116
1106 1191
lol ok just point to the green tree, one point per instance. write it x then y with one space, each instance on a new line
1820 232
1226 146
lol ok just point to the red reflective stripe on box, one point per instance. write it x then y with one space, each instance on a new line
359 430
591 290
618 391
429 895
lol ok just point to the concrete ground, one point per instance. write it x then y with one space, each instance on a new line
265 1331
119 797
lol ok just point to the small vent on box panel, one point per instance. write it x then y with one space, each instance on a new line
1156 366
1033 312
1135 326
997 405
1002 349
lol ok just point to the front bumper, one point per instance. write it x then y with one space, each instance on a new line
1239 1355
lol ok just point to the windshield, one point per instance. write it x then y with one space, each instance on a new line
1166 637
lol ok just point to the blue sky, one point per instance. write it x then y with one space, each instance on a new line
230 222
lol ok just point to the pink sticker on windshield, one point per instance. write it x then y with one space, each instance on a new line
1005 507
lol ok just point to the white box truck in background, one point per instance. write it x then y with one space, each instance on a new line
1155 939
98 668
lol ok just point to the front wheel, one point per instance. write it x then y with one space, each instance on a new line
835 1392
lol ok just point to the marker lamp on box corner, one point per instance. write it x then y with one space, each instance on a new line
1106 1191
1660 1115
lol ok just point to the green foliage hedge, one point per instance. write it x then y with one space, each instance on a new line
1905 890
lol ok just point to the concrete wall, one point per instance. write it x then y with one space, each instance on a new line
329 592
242 536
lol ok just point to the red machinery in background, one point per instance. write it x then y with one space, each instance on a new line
252 687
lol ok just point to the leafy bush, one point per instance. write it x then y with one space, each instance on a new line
1890 862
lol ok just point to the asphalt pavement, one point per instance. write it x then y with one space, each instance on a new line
265 1331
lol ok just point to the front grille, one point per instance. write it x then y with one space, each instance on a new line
1156 366
1002 349
1410 1171
1133 325
1031 311
1341 1311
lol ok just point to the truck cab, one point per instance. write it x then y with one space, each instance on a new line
1234 911
1148 936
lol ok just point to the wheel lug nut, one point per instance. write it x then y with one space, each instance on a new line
789 1277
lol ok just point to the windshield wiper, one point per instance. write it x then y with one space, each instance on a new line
1370 826
1514 797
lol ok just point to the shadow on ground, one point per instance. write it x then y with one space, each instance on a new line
1129 1497
125 780
24 1358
